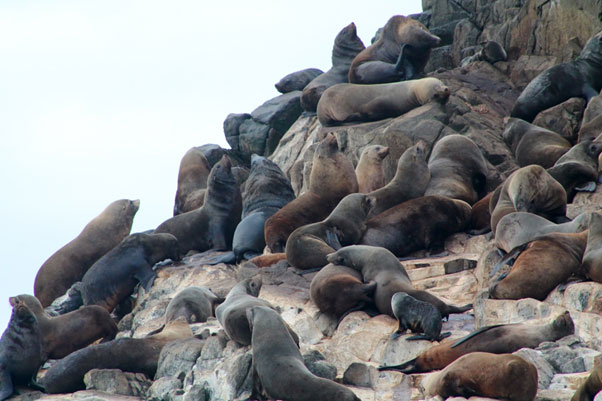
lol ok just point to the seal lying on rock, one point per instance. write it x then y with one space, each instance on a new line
592 258
296 81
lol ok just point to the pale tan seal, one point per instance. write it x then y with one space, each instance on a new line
592 386
369 169
192 181
592 258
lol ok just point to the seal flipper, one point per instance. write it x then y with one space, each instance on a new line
145 277
406 367
228 258
587 187
332 239
508 259
474 334
6 383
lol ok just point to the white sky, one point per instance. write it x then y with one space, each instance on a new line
99 100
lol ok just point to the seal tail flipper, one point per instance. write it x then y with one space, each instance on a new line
587 187
474 334
406 367
6 383
156 331
228 258
508 259
459 309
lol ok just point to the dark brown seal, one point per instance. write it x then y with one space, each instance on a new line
99 236
296 81
592 258
279 365
400 53
192 181
480 217
211 226
592 386
483 374
416 316
369 170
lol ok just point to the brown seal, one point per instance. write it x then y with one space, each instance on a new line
296 81
99 236
592 386
137 355
278 364
343 104
369 169
480 217
484 374
379 265
337 290
416 316
192 181
332 178
458 169
546 262
592 258
211 226
498 339
421 223
307 246
577 169
401 52
67 333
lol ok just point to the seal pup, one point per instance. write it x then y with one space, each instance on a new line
296 81
484 374
592 386
458 169
577 169
99 236
212 225
581 77
307 246
344 104
381 266
498 339
369 170
491 51
278 364
192 181
400 53
592 258
418 317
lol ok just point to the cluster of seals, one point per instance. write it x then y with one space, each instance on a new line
592 386
70 263
369 170
581 77
296 81
416 316
400 53
483 374
592 257
192 181
345 103
278 364
458 169
212 225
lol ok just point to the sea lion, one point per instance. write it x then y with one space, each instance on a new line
343 103
137 355
278 364
379 265
332 178
296 81
498 339
21 349
529 189
192 181
307 246
410 180
99 236
400 53
577 169
480 217
369 169
458 169
590 130
592 258
337 290
581 77
484 374
64 334
546 262
491 51
421 223
212 225
416 316
592 386
346 46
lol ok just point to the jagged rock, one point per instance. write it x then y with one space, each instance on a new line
317 364
466 34
114 381
231 128
568 381
528 67
564 119
545 370
178 357
583 297
359 374
166 389
441 57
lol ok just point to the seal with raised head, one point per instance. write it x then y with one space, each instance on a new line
212 225
498 339
592 386
418 317
192 181
381 266
400 53
307 246
458 169
581 77
344 104
592 258
296 81
278 364
70 263
369 169
483 374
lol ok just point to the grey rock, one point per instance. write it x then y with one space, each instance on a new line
564 119
317 364
166 389
114 381
360 374
178 357
231 128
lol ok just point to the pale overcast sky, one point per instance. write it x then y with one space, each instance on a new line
99 100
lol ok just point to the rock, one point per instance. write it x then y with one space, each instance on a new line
545 371
166 389
528 67
441 57
114 381
178 357
583 297
466 34
564 119
231 128
569 381
317 364
359 374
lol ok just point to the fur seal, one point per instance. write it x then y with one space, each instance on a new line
498 339
581 77
421 223
307 246
592 386
99 236
491 51
279 366
546 262
480 217
138 355
296 81
458 169
21 349
337 290
416 316
369 169
484 374
347 45
343 103
379 265
592 258
192 181
400 53
332 178
212 225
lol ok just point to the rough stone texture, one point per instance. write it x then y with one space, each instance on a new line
564 119
114 381
178 357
